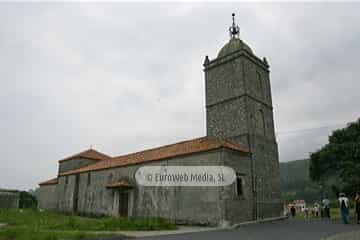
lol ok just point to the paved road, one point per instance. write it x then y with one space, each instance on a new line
280 230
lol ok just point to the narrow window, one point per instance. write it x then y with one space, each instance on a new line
239 185
260 122
88 179
66 180
259 85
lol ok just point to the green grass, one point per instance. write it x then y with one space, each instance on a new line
53 226
334 214
18 233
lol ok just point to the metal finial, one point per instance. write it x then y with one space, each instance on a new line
207 60
234 30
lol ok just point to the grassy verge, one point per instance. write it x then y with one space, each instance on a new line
18 233
21 224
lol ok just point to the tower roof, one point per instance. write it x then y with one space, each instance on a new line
235 44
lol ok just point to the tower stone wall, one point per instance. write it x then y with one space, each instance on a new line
239 107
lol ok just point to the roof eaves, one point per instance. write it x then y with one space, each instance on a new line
53 181
79 170
79 156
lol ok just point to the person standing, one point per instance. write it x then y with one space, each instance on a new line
326 207
306 212
344 207
316 209
293 211
357 206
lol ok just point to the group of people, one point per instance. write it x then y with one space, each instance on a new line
316 211
324 210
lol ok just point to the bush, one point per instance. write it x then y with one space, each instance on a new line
27 200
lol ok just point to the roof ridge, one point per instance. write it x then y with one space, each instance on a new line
84 152
98 152
156 148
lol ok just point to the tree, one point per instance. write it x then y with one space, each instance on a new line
27 200
338 162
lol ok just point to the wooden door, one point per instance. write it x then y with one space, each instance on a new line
123 204
76 194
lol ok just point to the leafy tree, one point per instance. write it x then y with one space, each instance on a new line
338 163
27 200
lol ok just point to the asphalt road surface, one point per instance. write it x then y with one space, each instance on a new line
279 230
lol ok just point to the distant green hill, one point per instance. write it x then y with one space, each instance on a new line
293 171
296 183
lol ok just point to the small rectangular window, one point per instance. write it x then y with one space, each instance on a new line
66 180
88 179
239 185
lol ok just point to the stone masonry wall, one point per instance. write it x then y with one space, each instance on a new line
224 82
239 208
239 107
47 198
200 205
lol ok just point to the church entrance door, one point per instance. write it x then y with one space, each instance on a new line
123 203
76 194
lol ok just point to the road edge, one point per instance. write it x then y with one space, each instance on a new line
263 220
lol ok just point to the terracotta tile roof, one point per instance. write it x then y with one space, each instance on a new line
168 151
49 182
119 184
90 153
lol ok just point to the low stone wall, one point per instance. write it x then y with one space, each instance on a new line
9 199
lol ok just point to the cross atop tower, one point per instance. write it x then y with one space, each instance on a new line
234 30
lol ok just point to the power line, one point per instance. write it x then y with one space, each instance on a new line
309 129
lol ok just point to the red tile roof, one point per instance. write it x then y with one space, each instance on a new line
90 153
49 182
182 148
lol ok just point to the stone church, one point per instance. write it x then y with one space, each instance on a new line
240 135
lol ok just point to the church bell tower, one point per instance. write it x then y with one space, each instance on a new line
239 108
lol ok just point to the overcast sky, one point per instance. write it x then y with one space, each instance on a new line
126 77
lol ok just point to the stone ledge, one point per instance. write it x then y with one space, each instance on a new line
264 220
180 230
